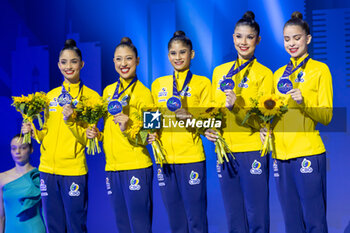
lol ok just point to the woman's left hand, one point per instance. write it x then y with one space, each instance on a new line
122 120
296 95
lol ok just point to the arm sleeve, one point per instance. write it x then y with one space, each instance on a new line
322 111
213 87
205 95
79 130
154 89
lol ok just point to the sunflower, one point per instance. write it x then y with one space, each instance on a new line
135 128
270 105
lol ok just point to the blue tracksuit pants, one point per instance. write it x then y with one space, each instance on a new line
183 189
244 183
301 188
64 201
130 193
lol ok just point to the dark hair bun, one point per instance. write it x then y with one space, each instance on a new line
126 40
297 15
179 33
249 15
70 43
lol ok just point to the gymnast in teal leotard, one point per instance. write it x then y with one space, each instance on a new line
20 199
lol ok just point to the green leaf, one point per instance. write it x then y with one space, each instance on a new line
137 139
143 135
39 120
22 107
246 118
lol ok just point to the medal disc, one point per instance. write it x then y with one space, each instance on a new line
173 104
284 85
114 107
64 99
227 84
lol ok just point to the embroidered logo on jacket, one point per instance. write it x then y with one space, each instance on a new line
124 100
299 78
53 105
162 92
186 91
243 83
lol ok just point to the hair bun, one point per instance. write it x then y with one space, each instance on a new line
126 40
297 15
179 33
70 43
249 15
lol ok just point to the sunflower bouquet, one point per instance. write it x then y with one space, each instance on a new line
136 133
30 107
221 147
88 112
266 108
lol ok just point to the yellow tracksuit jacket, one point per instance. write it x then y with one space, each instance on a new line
181 145
122 153
253 81
62 151
295 134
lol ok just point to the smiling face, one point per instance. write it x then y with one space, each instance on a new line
296 41
180 56
125 62
20 152
70 65
245 39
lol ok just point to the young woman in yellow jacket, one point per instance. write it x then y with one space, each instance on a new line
244 180
63 169
128 165
300 161
182 179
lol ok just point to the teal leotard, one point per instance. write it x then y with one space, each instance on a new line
22 201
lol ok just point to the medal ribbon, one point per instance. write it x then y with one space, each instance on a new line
288 71
234 71
187 80
64 91
116 94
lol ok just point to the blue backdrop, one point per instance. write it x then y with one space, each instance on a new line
33 32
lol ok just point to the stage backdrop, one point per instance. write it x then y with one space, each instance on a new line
33 32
